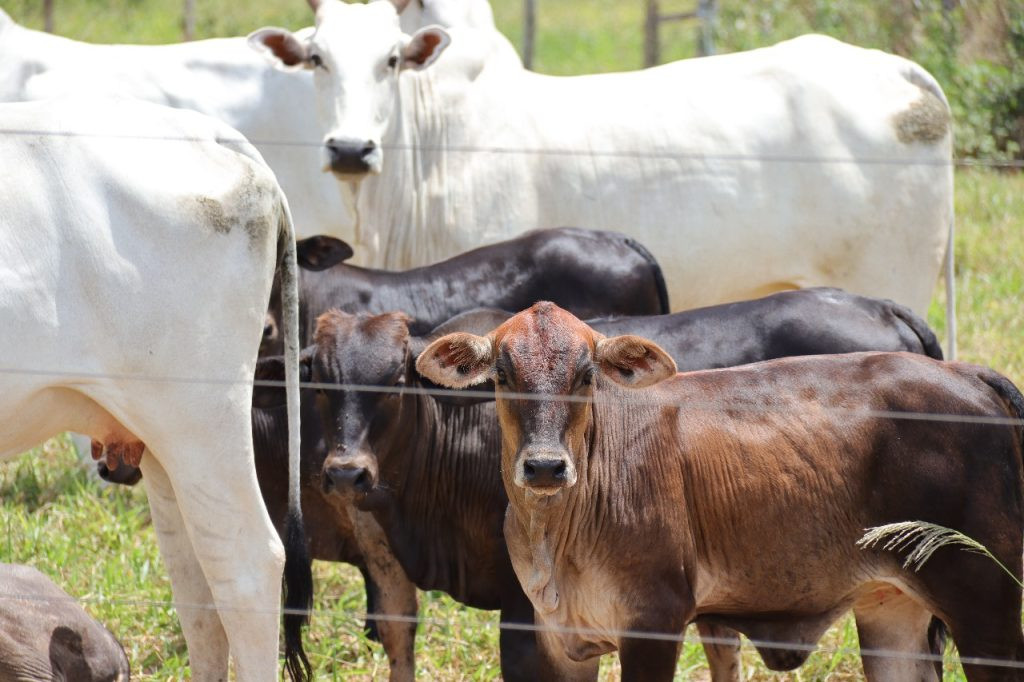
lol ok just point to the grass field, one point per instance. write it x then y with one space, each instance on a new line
98 543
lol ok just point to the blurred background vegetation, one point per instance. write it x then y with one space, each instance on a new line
974 47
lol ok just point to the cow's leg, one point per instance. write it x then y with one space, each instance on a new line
233 539
519 656
396 595
204 634
722 649
889 621
649 658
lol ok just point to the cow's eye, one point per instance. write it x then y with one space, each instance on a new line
588 377
392 61
502 379
316 61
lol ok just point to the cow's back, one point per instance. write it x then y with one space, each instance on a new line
110 208
780 168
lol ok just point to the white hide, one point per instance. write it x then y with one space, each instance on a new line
744 174
136 258
222 78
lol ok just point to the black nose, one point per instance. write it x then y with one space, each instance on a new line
347 479
544 471
124 474
350 156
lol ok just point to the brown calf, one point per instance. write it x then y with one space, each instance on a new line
736 496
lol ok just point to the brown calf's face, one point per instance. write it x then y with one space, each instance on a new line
353 351
544 363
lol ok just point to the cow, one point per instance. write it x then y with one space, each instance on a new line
808 163
222 78
813 321
46 635
386 450
641 499
590 272
138 247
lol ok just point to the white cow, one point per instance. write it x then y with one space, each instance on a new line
224 79
808 163
137 248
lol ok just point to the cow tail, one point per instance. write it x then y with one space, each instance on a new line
298 576
920 328
659 276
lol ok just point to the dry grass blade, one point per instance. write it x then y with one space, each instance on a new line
921 539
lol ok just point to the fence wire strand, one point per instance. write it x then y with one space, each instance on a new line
681 638
666 154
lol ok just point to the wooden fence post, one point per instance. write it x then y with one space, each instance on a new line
704 14
48 16
529 31
189 20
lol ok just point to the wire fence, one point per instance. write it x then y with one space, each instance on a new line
638 399
664 154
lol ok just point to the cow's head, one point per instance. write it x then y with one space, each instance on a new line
356 54
352 352
543 351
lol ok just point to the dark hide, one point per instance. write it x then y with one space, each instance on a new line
589 272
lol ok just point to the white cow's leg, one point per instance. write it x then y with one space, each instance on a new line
234 541
204 634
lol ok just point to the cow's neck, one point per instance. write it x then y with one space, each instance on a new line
442 478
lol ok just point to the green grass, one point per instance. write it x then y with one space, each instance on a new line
98 543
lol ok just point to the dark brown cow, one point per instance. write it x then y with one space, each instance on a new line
737 496
46 635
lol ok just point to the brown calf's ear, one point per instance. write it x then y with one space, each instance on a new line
426 45
633 361
287 51
457 360
321 252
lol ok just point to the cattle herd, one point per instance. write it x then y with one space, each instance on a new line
374 352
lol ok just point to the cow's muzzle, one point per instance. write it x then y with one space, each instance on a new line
353 157
545 472
348 476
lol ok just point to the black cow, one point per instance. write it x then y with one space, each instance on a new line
589 272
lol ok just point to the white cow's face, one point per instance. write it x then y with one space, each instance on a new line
356 54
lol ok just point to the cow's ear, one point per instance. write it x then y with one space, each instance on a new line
633 361
286 51
267 391
426 45
457 360
321 252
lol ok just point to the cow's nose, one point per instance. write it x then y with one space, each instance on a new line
544 472
347 480
351 156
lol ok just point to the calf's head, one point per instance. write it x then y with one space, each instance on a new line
356 55
544 363
362 360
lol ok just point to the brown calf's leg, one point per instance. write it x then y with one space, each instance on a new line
722 649
648 660
894 636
